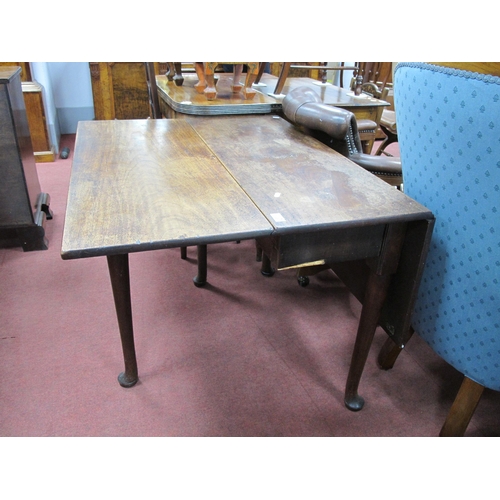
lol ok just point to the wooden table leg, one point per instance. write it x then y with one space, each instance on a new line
266 268
201 278
375 294
379 279
120 283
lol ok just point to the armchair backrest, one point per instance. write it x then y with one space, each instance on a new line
449 138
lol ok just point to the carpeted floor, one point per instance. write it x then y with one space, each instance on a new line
244 356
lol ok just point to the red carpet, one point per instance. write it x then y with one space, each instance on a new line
244 356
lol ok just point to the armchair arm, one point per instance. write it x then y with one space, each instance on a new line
337 128
304 107
389 165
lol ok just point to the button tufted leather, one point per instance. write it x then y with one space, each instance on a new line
338 128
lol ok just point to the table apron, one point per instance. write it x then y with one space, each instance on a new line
320 246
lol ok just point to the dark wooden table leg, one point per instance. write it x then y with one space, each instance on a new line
375 294
379 279
266 268
201 278
258 252
120 283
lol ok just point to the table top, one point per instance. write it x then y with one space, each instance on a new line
298 182
330 94
185 99
139 185
145 184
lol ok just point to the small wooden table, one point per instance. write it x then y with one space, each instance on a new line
144 185
363 106
185 100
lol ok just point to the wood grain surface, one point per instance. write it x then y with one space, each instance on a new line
298 182
144 184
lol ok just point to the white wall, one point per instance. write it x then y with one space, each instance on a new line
40 74
72 91
67 95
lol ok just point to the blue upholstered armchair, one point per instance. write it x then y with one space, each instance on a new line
449 137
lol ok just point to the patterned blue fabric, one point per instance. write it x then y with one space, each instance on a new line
449 137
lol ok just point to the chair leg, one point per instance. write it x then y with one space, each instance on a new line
462 409
282 78
390 139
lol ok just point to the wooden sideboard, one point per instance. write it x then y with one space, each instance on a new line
23 207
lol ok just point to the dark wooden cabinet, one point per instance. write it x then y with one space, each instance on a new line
23 207
34 101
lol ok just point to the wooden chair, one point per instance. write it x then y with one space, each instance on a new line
374 78
389 128
448 124
286 66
